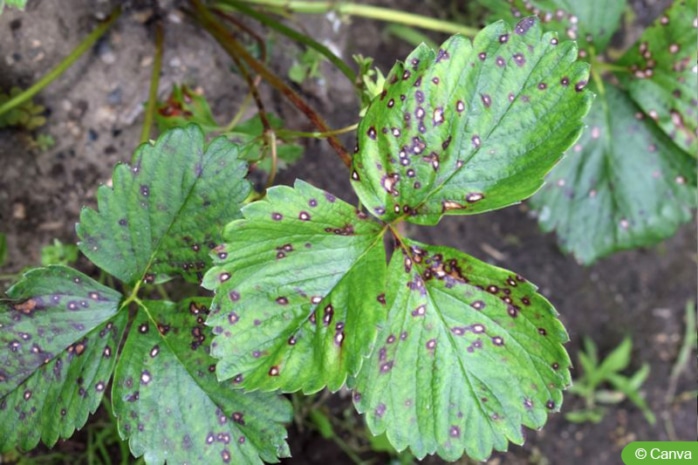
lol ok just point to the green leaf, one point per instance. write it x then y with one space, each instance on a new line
27 115
617 360
184 106
472 128
624 385
3 249
15 3
469 353
663 73
594 415
165 212
623 185
59 254
591 23
249 133
170 405
298 289
59 336
322 422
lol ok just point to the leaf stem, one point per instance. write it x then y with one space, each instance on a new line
367 11
292 34
603 66
240 113
151 107
235 49
270 138
67 62
287 133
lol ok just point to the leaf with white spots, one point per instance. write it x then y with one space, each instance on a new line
299 287
171 406
59 334
625 184
164 213
470 128
591 23
663 73
469 353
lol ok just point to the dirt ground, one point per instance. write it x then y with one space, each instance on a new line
95 115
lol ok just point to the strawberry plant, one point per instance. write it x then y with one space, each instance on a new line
630 180
444 353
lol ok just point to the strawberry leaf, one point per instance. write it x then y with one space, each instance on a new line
471 128
184 106
591 23
469 353
59 335
298 291
165 212
623 185
170 405
662 80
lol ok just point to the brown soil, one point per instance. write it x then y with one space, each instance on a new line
95 117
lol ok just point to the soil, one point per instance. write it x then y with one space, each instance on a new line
95 115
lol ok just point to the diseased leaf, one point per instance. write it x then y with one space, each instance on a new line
469 353
164 213
472 127
591 23
299 286
49 309
623 185
663 73
59 335
170 404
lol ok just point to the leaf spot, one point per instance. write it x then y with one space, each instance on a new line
274 371
486 100
154 351
498 341
145 377
419 311
524 25
454 432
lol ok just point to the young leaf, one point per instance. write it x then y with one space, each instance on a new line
469 353
591 23
170 405
299 287
623 185
663 73
249 134
165 212
59 335
471 128
184 106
